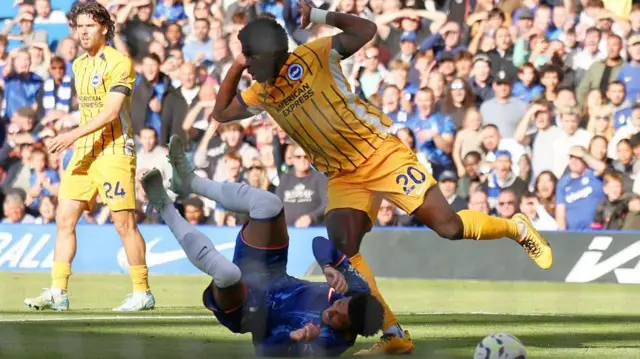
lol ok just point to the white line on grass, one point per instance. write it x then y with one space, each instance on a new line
76 317
79 317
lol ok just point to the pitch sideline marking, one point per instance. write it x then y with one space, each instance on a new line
207 316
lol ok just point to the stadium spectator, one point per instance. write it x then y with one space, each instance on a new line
481 81
448 184
44 181
613 209
572 136
530 205
527 88
194 211
15 210
631 128
502 178
458 99
577 194
178 102
492 143
303 192
47 210
151 156
21 86
434 132
621 107
504 111
57 94
468 139
602 72
45 15
388 217
507 204
478 201
541 138
152 89
25 33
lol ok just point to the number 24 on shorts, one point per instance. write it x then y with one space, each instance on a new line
117 191
409 180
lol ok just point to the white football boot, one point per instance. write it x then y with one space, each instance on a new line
48 300
137 301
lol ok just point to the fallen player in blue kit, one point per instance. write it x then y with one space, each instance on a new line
253 293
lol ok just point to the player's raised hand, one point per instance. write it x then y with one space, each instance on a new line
335 279
241 60
305 13
61 143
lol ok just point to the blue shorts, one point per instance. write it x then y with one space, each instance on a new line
262 270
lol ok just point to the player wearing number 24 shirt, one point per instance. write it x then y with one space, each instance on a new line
347 138
103 159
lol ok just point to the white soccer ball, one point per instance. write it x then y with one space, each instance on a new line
500 346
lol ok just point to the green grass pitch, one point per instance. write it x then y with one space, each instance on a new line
446 319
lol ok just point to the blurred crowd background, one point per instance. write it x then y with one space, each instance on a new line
525 106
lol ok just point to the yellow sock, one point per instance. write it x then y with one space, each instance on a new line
140 278
359 263
60 273
478 225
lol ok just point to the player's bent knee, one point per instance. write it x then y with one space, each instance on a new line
265 205
451 229
124 222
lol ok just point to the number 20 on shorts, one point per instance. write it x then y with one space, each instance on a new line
410 179
117 190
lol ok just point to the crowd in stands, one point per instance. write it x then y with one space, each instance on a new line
528 106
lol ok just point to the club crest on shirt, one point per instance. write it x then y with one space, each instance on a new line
96 80
295 72
584 181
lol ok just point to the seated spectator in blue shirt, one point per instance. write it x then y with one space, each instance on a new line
620 107
21 86
527 88
434 132
43 181
170 11
400 77
630 72
201 48
577 194
391 98
445 41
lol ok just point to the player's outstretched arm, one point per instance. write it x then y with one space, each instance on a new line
113 105
356 31
228 107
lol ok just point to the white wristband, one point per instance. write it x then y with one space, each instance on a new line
319 16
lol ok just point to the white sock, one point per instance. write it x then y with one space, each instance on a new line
200 251
395 330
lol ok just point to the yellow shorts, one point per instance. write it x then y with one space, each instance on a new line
112 176
392 173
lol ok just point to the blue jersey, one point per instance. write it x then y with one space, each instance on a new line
580 196
630 75
621 117
278 304
527 94
439 122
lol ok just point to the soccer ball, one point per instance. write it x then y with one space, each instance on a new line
500 346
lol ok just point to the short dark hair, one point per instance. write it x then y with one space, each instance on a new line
97 12
473 154
366 314
152 56
529 195
263 35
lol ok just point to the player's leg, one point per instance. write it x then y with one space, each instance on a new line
227 289
75 193
267 227
350 212
436 213
115 178
413 189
